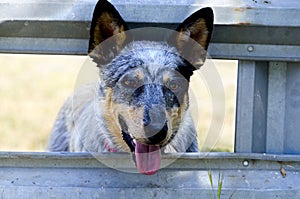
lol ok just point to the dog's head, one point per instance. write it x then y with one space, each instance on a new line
146 82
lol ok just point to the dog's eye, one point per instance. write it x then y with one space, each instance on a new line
173 85
130 82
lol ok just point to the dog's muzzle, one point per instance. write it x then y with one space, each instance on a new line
155 124
149 99
147 157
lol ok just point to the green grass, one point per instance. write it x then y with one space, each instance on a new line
213 194
32 89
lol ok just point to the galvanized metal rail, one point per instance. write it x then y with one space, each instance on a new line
269 28
262 34
49 175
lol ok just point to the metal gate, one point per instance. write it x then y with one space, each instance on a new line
262 34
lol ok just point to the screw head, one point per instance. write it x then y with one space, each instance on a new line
250 48
245 163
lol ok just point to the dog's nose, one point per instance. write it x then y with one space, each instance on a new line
156 133
155 125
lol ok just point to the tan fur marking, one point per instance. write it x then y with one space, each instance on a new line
198 32
137 115
112 123
140 74
183 36
175 116
166 77
107 27
120 38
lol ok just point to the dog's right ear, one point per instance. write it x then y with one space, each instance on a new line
106 23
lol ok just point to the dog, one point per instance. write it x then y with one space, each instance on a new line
143 87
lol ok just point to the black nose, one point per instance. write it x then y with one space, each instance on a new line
156 133
155 125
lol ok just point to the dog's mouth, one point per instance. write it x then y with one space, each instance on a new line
147 157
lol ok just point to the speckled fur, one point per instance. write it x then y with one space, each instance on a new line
93 118
81 126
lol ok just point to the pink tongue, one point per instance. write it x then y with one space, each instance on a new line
147 158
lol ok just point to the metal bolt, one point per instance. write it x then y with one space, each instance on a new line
250 48
245 163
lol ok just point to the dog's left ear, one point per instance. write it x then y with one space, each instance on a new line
194 35
106 23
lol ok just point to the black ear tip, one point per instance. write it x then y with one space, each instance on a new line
103 5
208 10
103 2
208 13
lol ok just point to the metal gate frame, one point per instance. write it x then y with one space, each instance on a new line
262 34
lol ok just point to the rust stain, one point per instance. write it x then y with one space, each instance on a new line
283 172
244 24
242 9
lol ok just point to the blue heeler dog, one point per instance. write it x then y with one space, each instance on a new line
144 85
